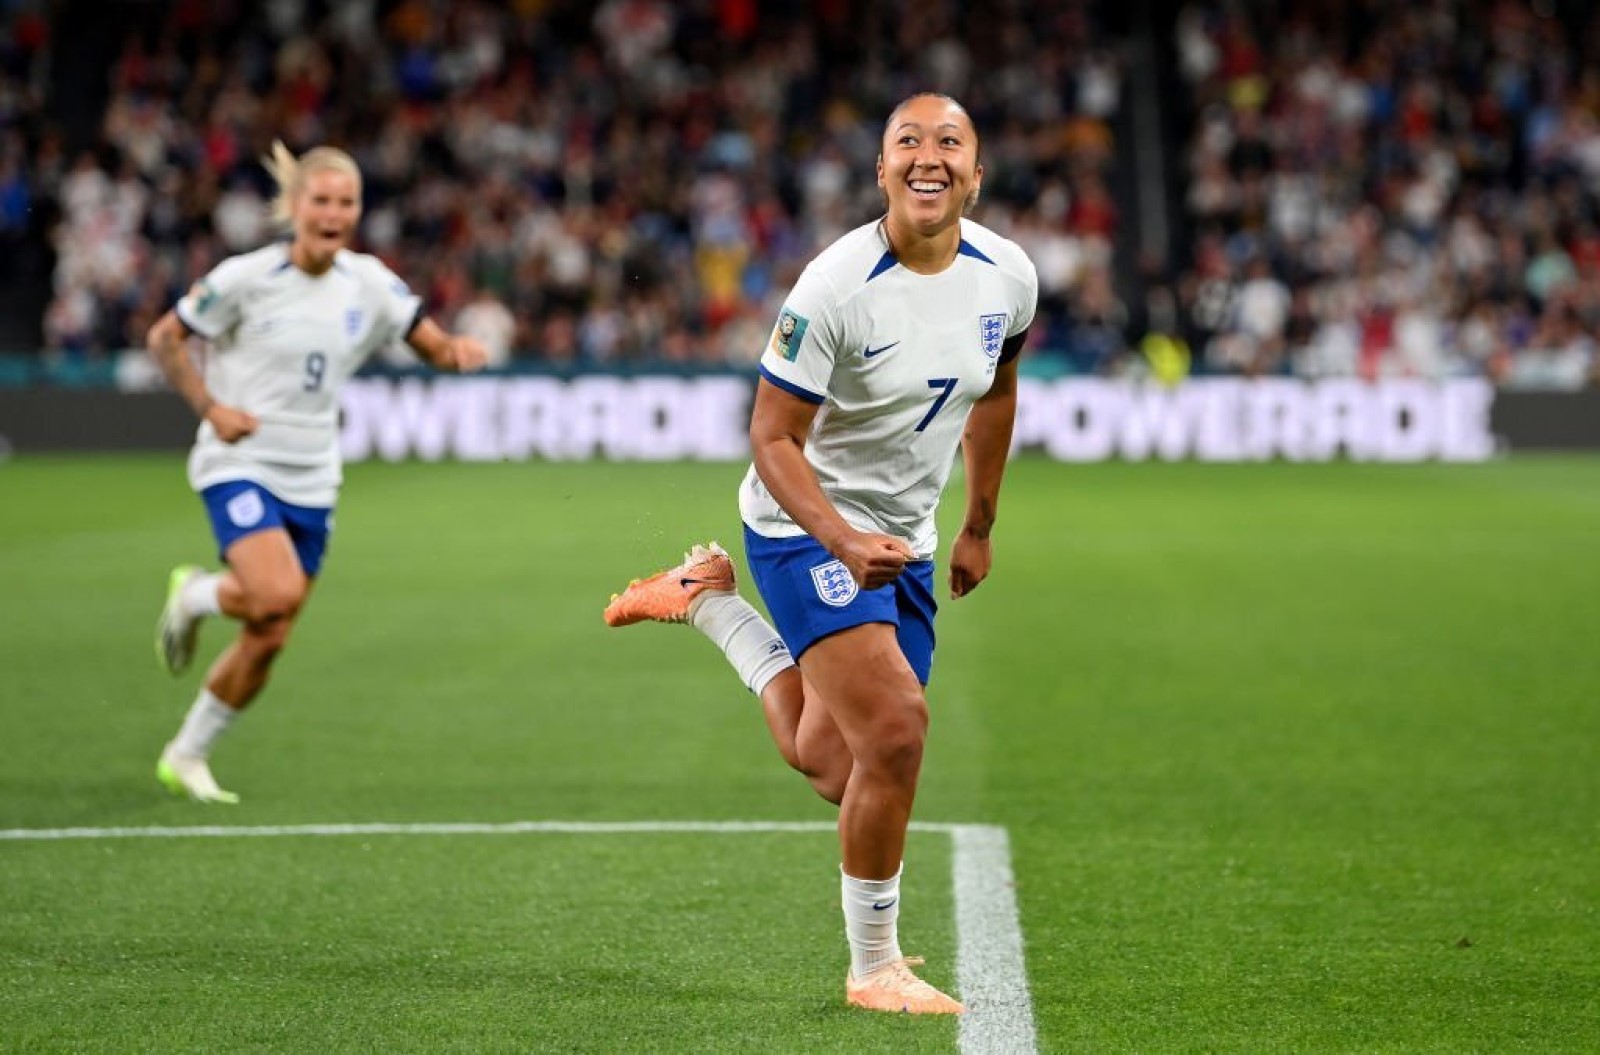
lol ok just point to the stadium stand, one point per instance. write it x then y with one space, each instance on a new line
634 182
1393 189
1382 189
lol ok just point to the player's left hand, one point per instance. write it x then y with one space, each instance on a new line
467 355
970 558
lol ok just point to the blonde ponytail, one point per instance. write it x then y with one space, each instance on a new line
290 172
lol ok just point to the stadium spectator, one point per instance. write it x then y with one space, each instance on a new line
289 324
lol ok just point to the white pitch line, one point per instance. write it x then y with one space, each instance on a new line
990 969
218 831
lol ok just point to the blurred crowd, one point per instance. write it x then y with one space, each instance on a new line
629 182
1386 188
1391 188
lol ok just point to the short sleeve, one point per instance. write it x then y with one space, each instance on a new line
399 309
1027 299
803 347
212 306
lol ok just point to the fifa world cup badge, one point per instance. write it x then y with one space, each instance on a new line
788 334
203 296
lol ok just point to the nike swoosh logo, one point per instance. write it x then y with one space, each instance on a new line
881 905
870 352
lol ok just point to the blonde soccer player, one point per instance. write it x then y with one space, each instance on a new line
285 327
898 344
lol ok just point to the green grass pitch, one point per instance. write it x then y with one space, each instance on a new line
1293 759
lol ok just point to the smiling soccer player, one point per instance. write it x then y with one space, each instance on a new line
898 344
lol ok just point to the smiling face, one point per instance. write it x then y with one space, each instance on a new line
929 165
325 213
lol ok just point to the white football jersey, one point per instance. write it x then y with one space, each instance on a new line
895 360
282 344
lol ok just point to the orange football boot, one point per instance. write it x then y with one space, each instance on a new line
893 987
668 596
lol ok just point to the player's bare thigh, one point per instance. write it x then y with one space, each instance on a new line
271 581
870 692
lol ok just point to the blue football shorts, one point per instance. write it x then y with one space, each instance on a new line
811 595
243 507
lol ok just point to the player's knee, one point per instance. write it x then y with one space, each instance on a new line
262 641
898 755
896 739
275 602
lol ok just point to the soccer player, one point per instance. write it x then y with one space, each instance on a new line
898 343
287 325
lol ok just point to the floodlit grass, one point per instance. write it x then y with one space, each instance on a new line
1294 758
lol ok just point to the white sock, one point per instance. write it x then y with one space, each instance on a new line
199 596
207 719
751 645
871 911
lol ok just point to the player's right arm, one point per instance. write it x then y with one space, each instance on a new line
168 344
211 308
796 369
779 426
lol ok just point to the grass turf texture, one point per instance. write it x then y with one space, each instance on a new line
1294 758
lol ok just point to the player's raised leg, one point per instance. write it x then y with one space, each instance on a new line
702 592
805 734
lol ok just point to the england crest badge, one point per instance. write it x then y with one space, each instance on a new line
835 585
992 334
246 509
